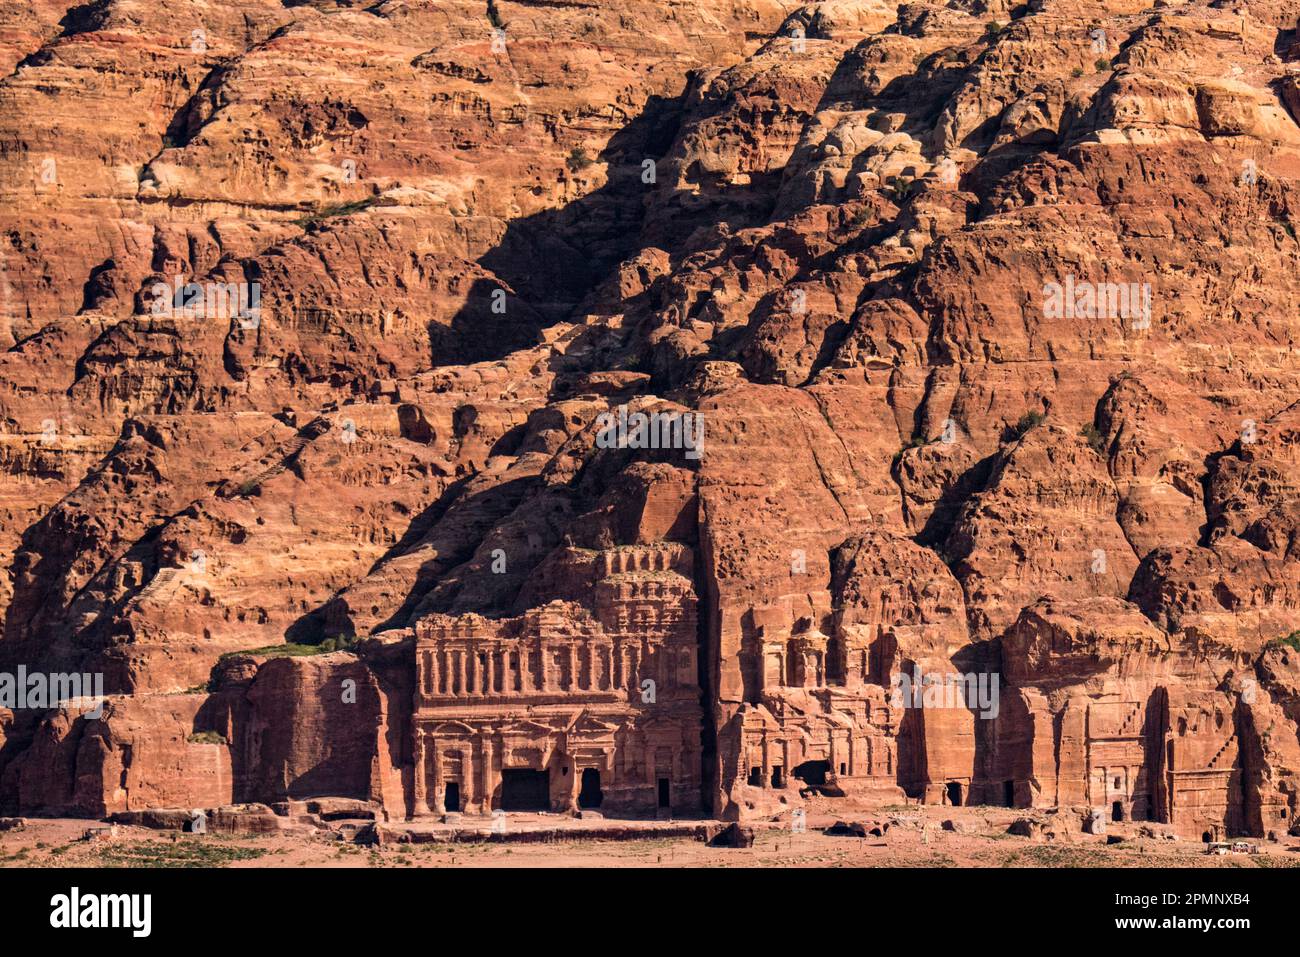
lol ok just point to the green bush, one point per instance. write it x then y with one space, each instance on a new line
297 649
577 159
180 854
898 189
1026 422
1291 641
206 737
287 650
1096 441
860 217
337 643
915 442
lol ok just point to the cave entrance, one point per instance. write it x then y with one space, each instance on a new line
813 772
451 800
952 791
523 789
590 795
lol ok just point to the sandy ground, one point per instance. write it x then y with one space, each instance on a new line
917 841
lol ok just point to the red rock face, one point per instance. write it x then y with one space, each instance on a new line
390 392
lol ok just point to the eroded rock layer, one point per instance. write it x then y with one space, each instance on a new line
654 407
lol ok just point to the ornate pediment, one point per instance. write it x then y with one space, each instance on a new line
588 725
452 727
528 728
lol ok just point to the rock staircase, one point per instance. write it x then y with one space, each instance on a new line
1129 727
165 577
1218 755
286 455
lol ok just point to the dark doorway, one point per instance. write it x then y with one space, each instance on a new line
523 789
1009 793
756 777
953 792
844 768
590 795
451 800
1117 811
813 772
778 777
665 793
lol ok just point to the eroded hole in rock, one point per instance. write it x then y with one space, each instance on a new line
813 773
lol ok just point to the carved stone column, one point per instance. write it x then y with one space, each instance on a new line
421 803
489 775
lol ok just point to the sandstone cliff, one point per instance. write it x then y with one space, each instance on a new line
985 315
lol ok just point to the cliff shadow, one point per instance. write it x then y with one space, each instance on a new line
546 264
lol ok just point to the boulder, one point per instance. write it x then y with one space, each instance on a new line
733 835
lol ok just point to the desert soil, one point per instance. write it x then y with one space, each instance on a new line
981 842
